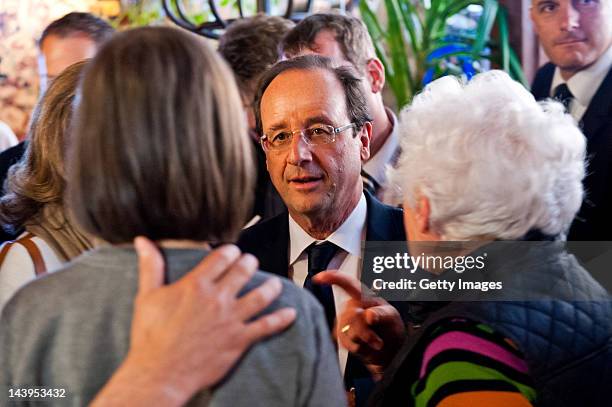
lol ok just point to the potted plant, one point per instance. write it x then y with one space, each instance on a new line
416 45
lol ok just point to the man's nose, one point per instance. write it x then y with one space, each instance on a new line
299 150
569 15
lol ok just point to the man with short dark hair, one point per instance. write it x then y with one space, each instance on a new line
70 39
251 46
316 133
577 38
346 41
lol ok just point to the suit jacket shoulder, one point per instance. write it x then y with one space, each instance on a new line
269 242
594 221
540 88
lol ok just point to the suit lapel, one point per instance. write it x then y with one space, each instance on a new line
600 109
269 242
383 223
543 81
277 248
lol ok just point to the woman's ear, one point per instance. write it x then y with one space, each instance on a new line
422 213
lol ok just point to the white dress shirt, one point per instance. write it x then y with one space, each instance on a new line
348 237
584 84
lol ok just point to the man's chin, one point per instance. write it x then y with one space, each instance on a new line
307 208
572 62
307 204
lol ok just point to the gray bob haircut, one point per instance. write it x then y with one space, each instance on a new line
492 161
160 146
357 108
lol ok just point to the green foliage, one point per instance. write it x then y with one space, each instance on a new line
138 14
151 12
414 45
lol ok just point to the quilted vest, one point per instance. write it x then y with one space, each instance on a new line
566 342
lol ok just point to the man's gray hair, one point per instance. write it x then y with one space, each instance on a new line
492 161
356 106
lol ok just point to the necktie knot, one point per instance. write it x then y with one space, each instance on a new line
563 95
319 256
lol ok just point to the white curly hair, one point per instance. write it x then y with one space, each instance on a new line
491 160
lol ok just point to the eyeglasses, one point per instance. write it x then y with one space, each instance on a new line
313 136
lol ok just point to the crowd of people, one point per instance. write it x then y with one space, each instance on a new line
160 176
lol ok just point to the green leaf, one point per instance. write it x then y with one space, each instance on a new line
504 38
399 59
432 20
371 21
412 23
516 70
485 24
199 18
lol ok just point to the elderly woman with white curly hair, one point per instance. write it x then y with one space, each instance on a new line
483 162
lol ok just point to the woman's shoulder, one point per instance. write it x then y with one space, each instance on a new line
25 251
21 261
78 286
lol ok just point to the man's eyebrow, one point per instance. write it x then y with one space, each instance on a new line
276 126
319 119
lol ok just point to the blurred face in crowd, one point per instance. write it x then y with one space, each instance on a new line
57 53
315 181
325 44
573 33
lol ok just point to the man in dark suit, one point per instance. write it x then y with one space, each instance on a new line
577 38
317 132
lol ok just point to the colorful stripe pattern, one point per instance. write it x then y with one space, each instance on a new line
467 363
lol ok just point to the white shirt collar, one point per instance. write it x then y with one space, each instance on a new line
348 236
585 83
376 166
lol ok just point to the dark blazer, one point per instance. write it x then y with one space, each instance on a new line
269 240
7 158
268 202
594 221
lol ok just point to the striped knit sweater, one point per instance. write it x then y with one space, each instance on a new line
467 363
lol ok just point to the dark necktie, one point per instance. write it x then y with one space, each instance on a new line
563 95
369 183
319 256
